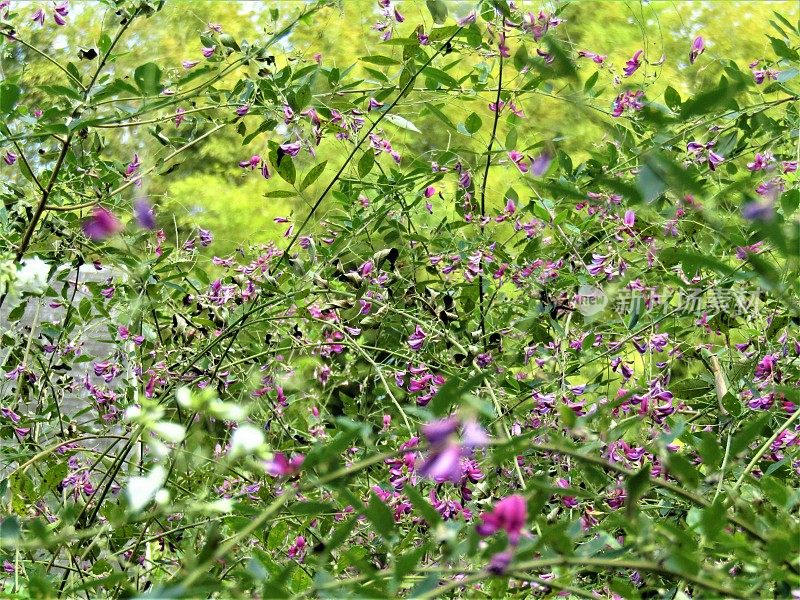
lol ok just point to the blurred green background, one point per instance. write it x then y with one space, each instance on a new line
209 190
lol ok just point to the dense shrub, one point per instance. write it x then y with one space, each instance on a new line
470 358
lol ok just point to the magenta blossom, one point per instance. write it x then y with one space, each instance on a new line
251 162
292 149
597 58
143 213
467 20
698 47
632 65
509 515
416 339
10 158
444 461
38 16
627 100
190 64
280 466
102 224
540 164
179 117
629 219
209 51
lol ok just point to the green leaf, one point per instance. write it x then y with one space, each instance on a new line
365 163
422 506
148 79
407 561
590 83
672 98
690 388
9 94
637 485
300 98
650 184
713 518
748 433
473 123
402 122
452 391
440 76
380 516
781 49
280 194
287 171
377 59
438 10
104 43
439 115
313 175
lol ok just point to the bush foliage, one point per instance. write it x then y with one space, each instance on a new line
472 357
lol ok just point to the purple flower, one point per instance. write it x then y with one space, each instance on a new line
208 52
251 162
297 550
762 75
143 213
633 64
374 104
38 16
416 339
62 9
759 210
101 225
629 219
466 20
243 110
502 47
598 58
760 162
509 515
9 567
292 149
516 157
133 166
627 100
499 562
695 147
698 47
206 238
429 191
474 435
190 64
540 164
179 117
280 466
714 160
437 432
443 463
10 158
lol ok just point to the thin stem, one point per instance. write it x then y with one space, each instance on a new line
483 193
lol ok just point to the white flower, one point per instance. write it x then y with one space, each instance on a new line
171 432
32 276
141 490
246 440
